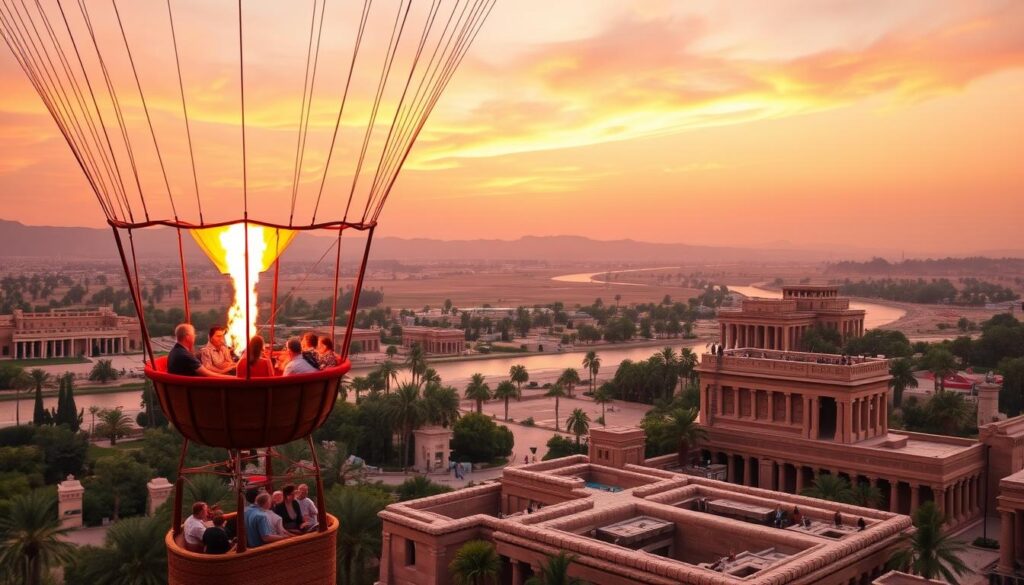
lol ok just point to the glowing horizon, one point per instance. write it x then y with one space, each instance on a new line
879 124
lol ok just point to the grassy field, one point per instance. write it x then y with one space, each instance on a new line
97 451
79 391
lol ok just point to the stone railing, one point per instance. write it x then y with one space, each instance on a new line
794 364
822 304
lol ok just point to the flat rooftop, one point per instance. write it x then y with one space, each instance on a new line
660 524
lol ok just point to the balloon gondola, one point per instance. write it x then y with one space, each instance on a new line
273 147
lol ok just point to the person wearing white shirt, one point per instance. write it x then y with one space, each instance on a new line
195 526
310 514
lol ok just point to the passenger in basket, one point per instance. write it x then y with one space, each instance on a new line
216 355
216 538
253 361
297 364
309 510
309 344
181 361
195 527
326 355
289 511
257 522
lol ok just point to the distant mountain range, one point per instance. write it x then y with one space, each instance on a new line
70 243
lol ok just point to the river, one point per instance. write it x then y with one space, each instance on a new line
541 366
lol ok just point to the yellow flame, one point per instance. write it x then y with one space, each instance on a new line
225 246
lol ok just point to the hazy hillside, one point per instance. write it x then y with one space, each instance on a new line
18 240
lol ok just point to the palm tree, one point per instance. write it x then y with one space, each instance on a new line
430 376
557 392
114 423
948 412
929 551
31 537
340 468
419 486
603 396
866 495
359 536
441 403
685 365
405 410
687 433
569 378
40 379
134 554
941 363
505 390
592 362
210 489
902 372
388 372
578 424
93 410
475 563
519 376
358 384
103 371
391 351
416 361
478 390
830 487
556 571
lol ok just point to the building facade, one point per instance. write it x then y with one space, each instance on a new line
635 524
434 340
68 333
777 419
780 324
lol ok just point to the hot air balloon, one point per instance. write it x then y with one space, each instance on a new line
240 126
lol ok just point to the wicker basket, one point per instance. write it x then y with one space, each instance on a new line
306 559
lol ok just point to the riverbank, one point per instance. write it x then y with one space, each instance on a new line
10 396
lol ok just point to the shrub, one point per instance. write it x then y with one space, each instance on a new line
528 422
983 542
559 446
479 439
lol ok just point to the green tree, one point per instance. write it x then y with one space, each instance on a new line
867 495
555 571
504 391
902 372
64 451
1011 395
207 488
592 362
578 423
416 361
388 372
674 429
519 376
359 536
360 384
441 404
391 352
821 339
557 392
891 344
685 366
949 412
833 488
559 446
603 396
941 363
476 563
121 477
67 410
20 381
417 487
406 412
930 551
478 390
477 438
114 424
31 538
103 371
134 555
568 379
40 380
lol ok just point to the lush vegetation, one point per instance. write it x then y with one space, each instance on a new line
971 291
949 266
930 551
655 378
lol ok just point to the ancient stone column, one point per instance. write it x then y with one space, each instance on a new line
1007 546
69 502
894 495
159 489
915 496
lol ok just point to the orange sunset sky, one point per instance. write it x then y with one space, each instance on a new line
862 123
